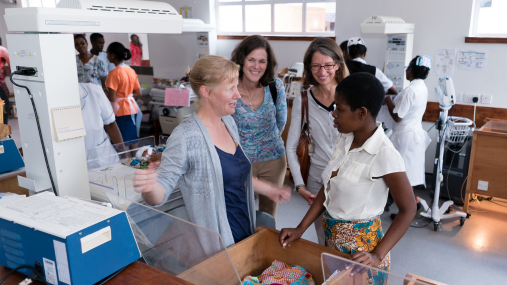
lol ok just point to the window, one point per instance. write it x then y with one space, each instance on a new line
276 17
489 19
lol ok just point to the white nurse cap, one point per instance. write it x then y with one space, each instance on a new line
355 41
424 61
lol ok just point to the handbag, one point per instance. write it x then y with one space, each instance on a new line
305 147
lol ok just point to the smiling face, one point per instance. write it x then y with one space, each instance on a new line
321 75
345 120
255 65
223 98
81 45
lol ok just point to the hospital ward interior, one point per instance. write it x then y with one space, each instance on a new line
249 142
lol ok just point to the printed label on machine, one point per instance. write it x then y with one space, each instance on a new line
50 270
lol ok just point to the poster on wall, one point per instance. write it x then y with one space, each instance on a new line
445 61
472 59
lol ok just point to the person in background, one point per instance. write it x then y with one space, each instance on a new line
97 41
357 52
5 71
123 86
136 48
90 69
204 156
364 166
259 118
343 47
407 110
100 125
324 68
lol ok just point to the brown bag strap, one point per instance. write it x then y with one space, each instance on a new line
304 110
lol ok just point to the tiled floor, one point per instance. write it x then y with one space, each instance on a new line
473 254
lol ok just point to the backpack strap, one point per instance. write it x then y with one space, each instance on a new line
272 89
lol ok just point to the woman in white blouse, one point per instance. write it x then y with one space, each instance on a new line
364 166
324 69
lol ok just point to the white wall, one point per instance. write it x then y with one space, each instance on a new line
437 24
3 31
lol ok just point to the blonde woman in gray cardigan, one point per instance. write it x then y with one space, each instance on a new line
203 156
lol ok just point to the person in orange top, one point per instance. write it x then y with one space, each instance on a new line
123 86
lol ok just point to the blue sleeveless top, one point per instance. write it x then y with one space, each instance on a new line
235 170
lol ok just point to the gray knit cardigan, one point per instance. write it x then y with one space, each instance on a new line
191 161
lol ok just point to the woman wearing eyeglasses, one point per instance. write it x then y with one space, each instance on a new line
324 68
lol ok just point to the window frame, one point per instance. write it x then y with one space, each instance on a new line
475 22
243 3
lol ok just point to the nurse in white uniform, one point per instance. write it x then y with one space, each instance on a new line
407 110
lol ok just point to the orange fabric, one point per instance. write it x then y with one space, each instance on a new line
123 80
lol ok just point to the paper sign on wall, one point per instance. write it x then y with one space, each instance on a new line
472 59
177 97
444 62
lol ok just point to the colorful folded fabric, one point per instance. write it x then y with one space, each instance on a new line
280 273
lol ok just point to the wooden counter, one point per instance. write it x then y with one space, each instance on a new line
136 273
9 182
488 161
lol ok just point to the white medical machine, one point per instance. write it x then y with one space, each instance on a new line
400 43
45 54
453 130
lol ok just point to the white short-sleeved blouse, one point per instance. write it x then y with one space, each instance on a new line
358 191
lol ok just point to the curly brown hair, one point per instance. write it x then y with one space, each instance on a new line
325 46
245 47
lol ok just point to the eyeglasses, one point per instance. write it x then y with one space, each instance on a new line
317 67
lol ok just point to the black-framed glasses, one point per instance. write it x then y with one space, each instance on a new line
317 67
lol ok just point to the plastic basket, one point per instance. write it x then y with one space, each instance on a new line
457 129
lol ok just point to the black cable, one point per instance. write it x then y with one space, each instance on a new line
24 72
24 266
113 276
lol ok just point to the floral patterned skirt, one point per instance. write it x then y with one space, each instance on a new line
353 236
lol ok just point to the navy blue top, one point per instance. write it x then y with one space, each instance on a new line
235 170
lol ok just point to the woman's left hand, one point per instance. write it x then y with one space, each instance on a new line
366 258
280 195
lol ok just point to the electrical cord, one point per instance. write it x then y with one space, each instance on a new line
29 72
21 267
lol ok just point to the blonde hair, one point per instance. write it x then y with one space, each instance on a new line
210 71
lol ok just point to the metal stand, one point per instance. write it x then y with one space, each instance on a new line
436 213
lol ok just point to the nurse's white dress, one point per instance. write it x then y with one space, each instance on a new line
408 137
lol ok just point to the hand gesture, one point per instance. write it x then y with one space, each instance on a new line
287 236
280 195
309 197
144 179
366 258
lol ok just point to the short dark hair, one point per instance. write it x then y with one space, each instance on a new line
328 47
77 36
362 89
245 47
119 51
0 40
95 36
357 51
133 35
418 72
343 46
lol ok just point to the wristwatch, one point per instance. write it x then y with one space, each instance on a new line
298 186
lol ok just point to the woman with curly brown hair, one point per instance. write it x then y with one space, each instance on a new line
261 113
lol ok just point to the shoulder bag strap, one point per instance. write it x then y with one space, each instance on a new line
272 90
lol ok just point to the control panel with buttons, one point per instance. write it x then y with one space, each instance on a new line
398 55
